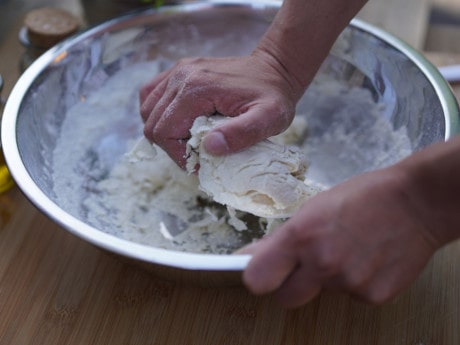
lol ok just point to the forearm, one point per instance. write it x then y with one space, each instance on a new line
302 34
434 185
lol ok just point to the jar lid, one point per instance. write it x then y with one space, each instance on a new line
47 26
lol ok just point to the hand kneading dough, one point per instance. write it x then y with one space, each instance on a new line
266 179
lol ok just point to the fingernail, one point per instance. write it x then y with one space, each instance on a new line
215 143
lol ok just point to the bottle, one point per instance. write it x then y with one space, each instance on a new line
6 182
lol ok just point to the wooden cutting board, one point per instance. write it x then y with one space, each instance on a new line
57 289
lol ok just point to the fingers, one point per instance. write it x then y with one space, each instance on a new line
277 268
269 267
169 123
151 85
153 108
297 274
176 150
169 107
390 280
156 99
299 288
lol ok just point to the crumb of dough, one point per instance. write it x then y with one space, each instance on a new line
266 179
143 150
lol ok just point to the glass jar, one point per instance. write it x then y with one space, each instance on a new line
42 29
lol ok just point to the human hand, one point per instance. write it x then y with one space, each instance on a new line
252 89
363 237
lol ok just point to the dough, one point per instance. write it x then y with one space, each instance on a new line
266 179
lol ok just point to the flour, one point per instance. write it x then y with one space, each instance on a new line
149 200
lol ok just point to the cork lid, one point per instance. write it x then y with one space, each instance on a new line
47 26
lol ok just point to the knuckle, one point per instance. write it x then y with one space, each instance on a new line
378 295
355 280
281 118
378 299
329 262
196 77
154 134
358 276
326 257
146 109
148 133
157 134
188 61
155 95
144 112
192 75
297 234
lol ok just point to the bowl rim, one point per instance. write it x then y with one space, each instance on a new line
149 254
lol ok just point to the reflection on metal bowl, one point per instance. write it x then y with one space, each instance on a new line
413 94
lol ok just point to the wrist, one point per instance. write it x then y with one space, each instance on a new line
431 179
286 81
302 34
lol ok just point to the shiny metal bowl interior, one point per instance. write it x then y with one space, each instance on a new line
415 95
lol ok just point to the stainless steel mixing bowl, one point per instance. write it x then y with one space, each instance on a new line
414 94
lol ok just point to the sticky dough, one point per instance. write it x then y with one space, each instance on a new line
266 179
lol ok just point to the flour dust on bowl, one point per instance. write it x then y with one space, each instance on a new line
73 116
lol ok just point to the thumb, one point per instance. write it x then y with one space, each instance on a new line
247 129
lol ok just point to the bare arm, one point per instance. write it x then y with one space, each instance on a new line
435 187
302 34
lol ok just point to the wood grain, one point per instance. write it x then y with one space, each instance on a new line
58 289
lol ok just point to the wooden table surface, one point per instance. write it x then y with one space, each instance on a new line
57 289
